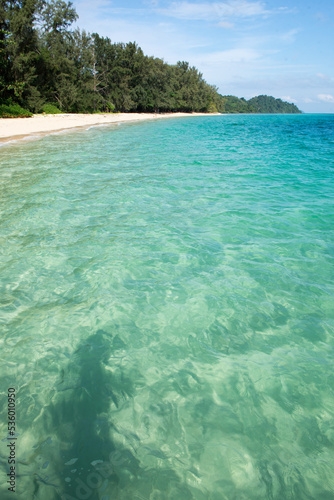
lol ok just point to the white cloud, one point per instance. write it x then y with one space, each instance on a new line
326 97
308 100
230 68
325 78
214 11
162 39
225 24
290 36
288 98
235 56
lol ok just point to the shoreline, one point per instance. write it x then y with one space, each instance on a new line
13 129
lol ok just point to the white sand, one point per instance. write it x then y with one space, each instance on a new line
38 125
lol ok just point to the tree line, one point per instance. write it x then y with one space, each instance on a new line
259 104
44 62
47 66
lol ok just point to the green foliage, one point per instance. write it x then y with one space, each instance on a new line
50 109
56 16
232 104
212 108
268 104
13 111
110 107
259 104
42 61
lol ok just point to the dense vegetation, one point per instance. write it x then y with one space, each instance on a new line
268 104
45 66
232 104
44 62
259 104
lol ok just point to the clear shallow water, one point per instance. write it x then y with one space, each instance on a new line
167 310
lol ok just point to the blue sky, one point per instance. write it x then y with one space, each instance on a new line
283 48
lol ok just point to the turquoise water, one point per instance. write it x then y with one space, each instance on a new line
167 310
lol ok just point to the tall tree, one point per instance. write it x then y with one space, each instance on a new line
19 48
5 74
58 76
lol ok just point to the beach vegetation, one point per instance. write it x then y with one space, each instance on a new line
13 111
212 108
233 104
110 107
50 109
44 61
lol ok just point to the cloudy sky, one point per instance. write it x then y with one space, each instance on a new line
283 48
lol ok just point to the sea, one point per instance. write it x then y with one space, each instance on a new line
167 311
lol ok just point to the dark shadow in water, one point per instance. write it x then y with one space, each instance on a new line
85 456
88 459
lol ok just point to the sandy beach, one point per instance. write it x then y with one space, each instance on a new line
39 125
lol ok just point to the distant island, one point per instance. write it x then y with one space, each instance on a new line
259 104
47 68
